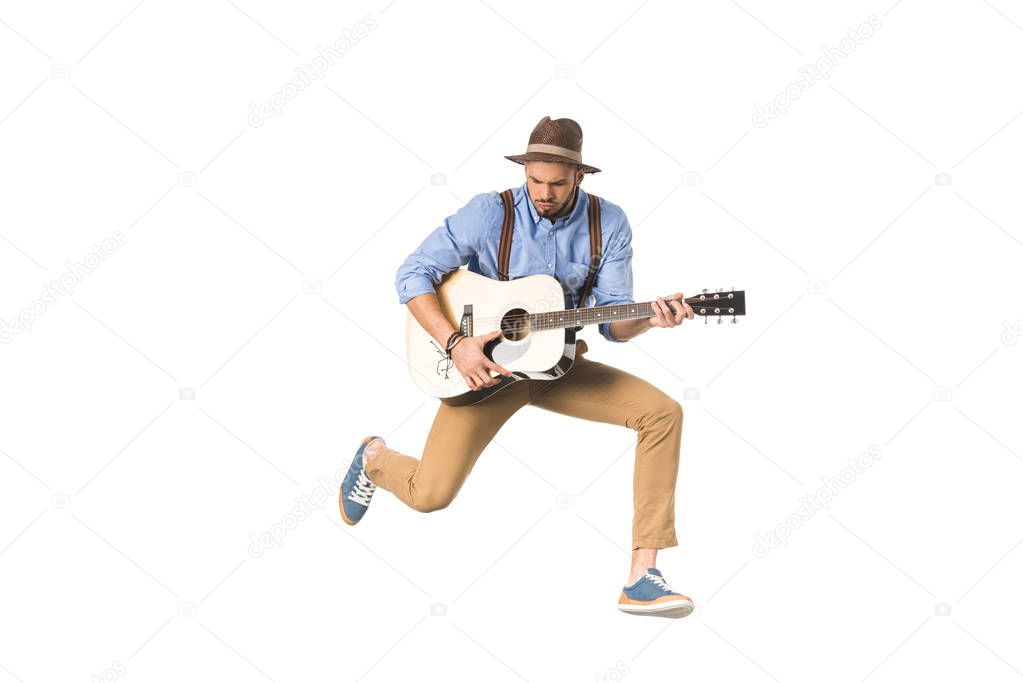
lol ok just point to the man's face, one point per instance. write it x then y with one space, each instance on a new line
551 186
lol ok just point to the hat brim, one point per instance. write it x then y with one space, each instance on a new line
542 156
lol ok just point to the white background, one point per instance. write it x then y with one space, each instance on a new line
884 311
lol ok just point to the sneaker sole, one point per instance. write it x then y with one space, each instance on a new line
676 609
341 504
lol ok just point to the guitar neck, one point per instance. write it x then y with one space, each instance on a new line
715 303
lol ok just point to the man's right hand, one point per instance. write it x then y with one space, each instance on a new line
473 364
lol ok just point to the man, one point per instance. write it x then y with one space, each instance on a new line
551 236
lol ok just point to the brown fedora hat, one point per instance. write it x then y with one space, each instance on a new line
559 140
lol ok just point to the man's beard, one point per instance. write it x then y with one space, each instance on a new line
547 213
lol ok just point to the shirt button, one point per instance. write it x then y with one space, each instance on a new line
548 265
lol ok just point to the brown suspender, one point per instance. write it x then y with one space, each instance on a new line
504 250
595 239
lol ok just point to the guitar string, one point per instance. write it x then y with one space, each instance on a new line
517 317
613 319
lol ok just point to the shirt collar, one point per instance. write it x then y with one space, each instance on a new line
577 210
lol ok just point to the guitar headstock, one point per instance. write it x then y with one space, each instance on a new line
720 303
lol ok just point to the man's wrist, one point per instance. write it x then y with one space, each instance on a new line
443 341
624 330
452 342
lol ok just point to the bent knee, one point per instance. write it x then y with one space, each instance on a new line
671 410
431 502
666 407
667 410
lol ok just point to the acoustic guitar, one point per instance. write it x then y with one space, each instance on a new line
537 338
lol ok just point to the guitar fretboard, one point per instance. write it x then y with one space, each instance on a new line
707 303
590 316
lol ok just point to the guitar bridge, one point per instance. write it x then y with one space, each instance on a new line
444 363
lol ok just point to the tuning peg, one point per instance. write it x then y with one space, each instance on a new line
719 319
733 319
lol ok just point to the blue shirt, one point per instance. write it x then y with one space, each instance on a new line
560 248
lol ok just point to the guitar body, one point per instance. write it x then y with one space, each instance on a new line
477 305
537 338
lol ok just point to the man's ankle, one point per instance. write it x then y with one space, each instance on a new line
635 575
372 448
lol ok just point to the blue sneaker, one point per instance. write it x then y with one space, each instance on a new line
652 596
356 489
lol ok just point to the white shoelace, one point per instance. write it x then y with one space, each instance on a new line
363 489
659 582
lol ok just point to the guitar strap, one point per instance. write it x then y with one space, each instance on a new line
504 250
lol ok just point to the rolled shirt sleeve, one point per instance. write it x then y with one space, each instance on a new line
448 247
613 284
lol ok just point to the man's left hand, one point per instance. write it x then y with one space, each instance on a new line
670 315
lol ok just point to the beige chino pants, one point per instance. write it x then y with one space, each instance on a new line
589 390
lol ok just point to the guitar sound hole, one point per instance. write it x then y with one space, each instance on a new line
515 324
